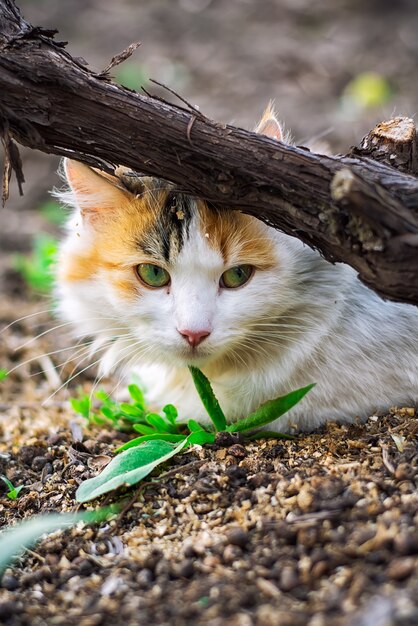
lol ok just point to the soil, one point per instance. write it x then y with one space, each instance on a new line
319 531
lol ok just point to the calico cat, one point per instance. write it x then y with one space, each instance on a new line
162 280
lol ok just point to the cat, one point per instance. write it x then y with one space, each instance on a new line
161 280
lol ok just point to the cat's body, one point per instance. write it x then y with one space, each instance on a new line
293 318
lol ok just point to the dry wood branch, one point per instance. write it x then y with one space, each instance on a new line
54 103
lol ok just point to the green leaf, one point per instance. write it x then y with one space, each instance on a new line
109 413
158 422
194 426
144 429
53 212
128 468
131 410
171 413
201 437
3 374
137 396
14 540
368 90
81 405
208 398
131 74
13 492
269 411
36 269
162 437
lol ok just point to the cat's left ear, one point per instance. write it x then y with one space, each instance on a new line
269 125
95 192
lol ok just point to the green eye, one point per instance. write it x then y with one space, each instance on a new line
236 276
153 275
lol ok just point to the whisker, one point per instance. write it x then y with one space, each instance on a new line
25 317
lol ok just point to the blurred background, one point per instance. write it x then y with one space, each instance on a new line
334 68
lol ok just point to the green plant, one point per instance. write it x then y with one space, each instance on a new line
3 374
162 437
36 268
121 416
53 212
131 75
13 492
14 540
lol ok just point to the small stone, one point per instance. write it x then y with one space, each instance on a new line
231 554
85 567
150 561
305 498
238 451
184 569
404 471
39 463
7 609
268 588
237 537
319 569
406 543
288 578
189 551
10 583
224 439
145 578
401 568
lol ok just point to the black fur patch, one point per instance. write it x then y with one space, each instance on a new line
165 240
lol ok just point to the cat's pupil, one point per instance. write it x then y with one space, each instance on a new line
236 276
153 275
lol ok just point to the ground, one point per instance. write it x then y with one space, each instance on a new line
317 531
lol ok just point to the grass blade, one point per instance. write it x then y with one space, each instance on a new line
270 411
209 400
14 540
201 437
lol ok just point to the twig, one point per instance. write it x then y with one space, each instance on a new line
188 104
387 462
120 58
189 129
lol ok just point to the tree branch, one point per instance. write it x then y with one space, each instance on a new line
353 209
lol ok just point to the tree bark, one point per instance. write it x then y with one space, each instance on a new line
353 209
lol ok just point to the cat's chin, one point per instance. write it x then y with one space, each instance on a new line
186 358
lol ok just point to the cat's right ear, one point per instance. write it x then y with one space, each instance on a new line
95 193
269 125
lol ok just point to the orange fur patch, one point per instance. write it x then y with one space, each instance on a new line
239 237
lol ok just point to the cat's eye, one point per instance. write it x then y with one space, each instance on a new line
236 276
153 275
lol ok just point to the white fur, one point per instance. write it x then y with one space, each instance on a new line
302 321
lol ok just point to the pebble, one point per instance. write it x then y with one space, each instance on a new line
184 569
39 463
231 553
401 568
7 609
288 578
237 537
10 582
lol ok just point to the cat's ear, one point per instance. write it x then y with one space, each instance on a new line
95 192
269 124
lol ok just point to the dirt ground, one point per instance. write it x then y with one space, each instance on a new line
320 531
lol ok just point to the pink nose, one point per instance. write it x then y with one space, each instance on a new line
196 337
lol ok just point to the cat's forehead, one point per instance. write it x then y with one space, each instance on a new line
170 214
179 222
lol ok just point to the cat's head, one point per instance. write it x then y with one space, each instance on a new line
166 277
